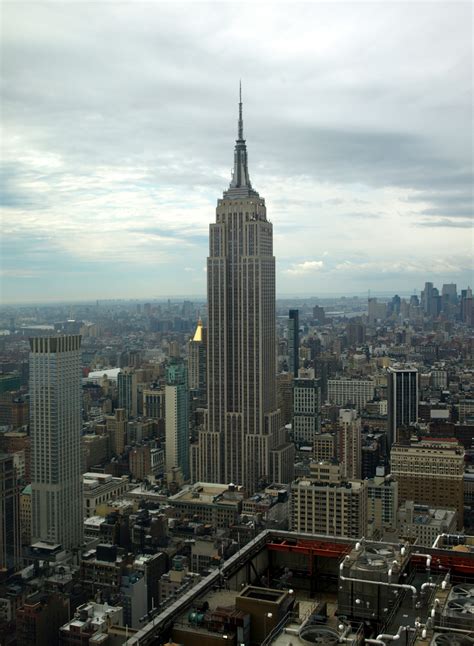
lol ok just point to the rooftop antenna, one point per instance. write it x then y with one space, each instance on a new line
241 123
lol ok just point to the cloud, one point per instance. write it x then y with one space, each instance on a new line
362 216
462 211
18 273
306 267
119 137
454 224
397 268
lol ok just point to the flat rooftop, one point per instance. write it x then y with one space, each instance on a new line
296 550
208 494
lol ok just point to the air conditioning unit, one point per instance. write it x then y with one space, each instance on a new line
319 635
459 608
375 557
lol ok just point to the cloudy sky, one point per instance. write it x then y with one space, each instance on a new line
119 120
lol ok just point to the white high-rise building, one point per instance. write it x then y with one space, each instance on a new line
177 418
353 393
55 423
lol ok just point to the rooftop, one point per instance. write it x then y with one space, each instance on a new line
287 558
209 494
110 373
94 521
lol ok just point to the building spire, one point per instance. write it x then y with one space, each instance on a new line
240 135
240 185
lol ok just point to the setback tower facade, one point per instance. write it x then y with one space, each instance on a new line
242 423
55 421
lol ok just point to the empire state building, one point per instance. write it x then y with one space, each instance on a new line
242 441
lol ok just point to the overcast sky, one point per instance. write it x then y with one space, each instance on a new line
119 122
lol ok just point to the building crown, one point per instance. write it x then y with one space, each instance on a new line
240 185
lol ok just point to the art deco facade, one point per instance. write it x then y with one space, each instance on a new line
55 420
197 370
242 422
197 359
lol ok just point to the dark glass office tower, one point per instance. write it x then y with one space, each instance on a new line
402 395
293 341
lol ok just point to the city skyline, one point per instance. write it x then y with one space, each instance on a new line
111 165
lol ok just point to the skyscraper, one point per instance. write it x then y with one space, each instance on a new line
402 396
242 424
451 291
9 515
430 300
116 425
426 297
306 408
197 365
349 443
128 391
177 417
55 421
293 342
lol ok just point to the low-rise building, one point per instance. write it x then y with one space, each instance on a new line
421 524
92 529
215 504
178 580
270 507
102 570
39 618
204 554
90 625
99 488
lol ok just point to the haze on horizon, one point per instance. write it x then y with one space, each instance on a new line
119 122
